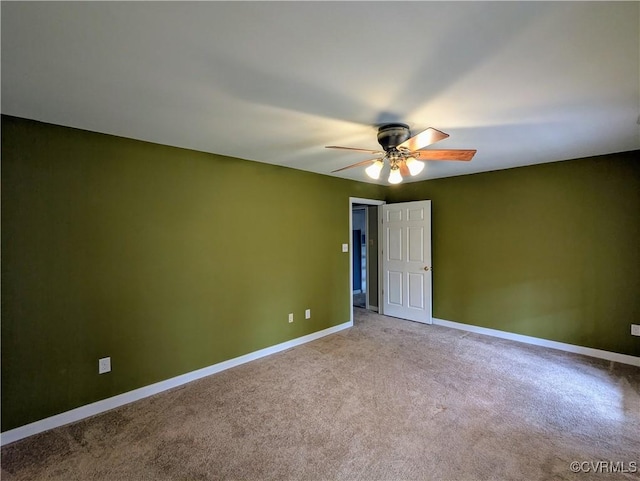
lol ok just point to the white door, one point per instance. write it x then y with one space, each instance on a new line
406 260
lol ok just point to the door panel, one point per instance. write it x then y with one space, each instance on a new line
394 241
394 215
415 214
416 290
395 288
416 244
407 260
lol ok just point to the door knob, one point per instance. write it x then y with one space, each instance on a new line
426 268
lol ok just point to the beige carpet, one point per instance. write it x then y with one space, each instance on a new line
385 400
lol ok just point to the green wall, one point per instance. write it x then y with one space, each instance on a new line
170 260
551 251
165 259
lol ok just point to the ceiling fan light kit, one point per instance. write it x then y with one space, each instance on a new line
374 169
404 153
394 175
415 166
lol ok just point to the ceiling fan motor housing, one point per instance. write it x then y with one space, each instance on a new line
392 135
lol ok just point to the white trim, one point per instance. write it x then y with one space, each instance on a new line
587 351
121 399
359 200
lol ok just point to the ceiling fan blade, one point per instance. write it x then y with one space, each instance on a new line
404 170
443 154
357 150
357 164
423 139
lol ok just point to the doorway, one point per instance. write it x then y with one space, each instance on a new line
359 254
415 289
364 248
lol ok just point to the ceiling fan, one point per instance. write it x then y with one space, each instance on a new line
403 152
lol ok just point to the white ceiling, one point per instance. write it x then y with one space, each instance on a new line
523 83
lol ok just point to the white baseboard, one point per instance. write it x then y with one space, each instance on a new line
587 351
121 399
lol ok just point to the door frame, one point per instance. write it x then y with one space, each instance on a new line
352 201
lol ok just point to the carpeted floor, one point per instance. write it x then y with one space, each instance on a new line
360 300
384 400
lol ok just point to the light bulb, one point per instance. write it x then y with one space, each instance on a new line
374 169
394 176
414 165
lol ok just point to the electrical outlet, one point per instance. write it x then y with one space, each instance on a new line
291 317
307 314
104 365
345 247
635 329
